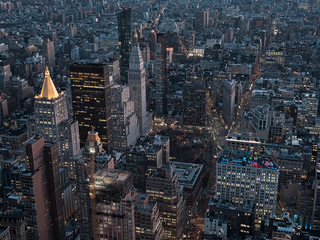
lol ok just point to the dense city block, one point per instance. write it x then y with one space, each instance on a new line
159 119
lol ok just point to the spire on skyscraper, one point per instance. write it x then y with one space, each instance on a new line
136 59
48 91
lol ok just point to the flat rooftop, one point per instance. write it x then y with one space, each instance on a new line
187 173
111 176
254 162
8 132
112 183
247 206
243 137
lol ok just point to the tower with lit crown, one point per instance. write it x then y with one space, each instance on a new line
51 121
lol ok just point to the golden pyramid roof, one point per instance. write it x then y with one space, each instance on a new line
48 91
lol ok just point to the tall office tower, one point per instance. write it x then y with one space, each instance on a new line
137 85
5 74
50 109
91 100
163 187
114 211
161 75
42 191
125 127
194 102
114 70
124 39
48 50
51 121
201 20
68 192
83 201
229 93
152 44
4 111
239 178
147 219
315 151
316 205
85 169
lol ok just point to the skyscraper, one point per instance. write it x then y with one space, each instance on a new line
161 75
91 100
137 85
85 168
52 122
124 39
48 49
194 102
152 44
50 109
114 206
42 191
92 160
316 204
201 20
163 187
229 93
125 127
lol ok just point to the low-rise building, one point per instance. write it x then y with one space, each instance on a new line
239 219
280 227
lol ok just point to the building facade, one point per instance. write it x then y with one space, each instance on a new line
42 191
163 187
147 219
161 75
194 103
137 85
190 178
124 39
229 93
239 219
240 178
91 100
125 126
113 210
52 122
